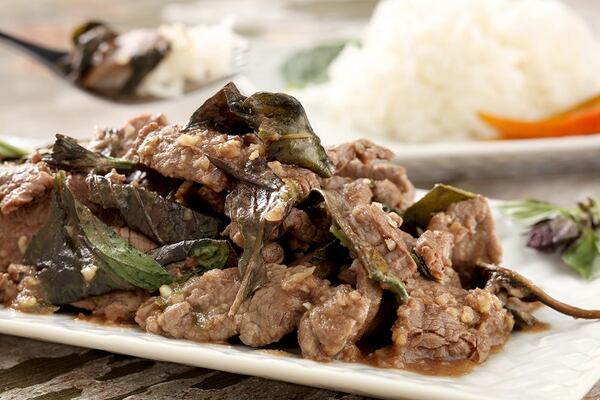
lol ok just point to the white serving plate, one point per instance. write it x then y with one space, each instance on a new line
562 363
436 161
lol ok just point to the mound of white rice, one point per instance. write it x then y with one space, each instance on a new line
198 54
426 67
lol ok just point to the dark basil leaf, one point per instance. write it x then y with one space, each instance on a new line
69 155
216 113
550 235
277 118
436 200
74 241
204 253
161 220
257 211
281 122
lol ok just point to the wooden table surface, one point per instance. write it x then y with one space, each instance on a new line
37 370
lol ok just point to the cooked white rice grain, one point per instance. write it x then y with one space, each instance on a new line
427 67
198 54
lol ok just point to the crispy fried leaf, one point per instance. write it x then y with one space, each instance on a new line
162 220
216 113
370 257
437 199
256 211
74 241
277 118
280 121
584 254
69 155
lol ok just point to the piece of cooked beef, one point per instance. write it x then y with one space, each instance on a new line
10 282
381 230
362 149
116 306
342 316
197 311
18 227
330 329
474 238
117 142
364 159
8 289
185 155
276 308
445 323
435 248
300 226
20 184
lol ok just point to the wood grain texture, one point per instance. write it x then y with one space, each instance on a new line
66 372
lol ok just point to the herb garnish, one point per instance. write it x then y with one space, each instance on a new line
575 233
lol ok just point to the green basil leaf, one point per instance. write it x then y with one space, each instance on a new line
436 200
584 255
531 210
10 152
74 241
308 66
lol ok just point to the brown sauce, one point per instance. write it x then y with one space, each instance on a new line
95 319
387 358
536 328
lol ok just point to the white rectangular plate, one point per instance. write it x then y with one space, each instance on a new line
562 363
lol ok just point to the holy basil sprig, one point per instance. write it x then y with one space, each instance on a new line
575 233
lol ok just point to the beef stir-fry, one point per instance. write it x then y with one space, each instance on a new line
240 224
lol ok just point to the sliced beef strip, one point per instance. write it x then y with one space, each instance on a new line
381 230
435 248
363 149
116 306
276 308
301 226
474 238
364 159
11 282
331 329
198 311
445 323
186 155
18 227
117 142
8 289
391 185
20 184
